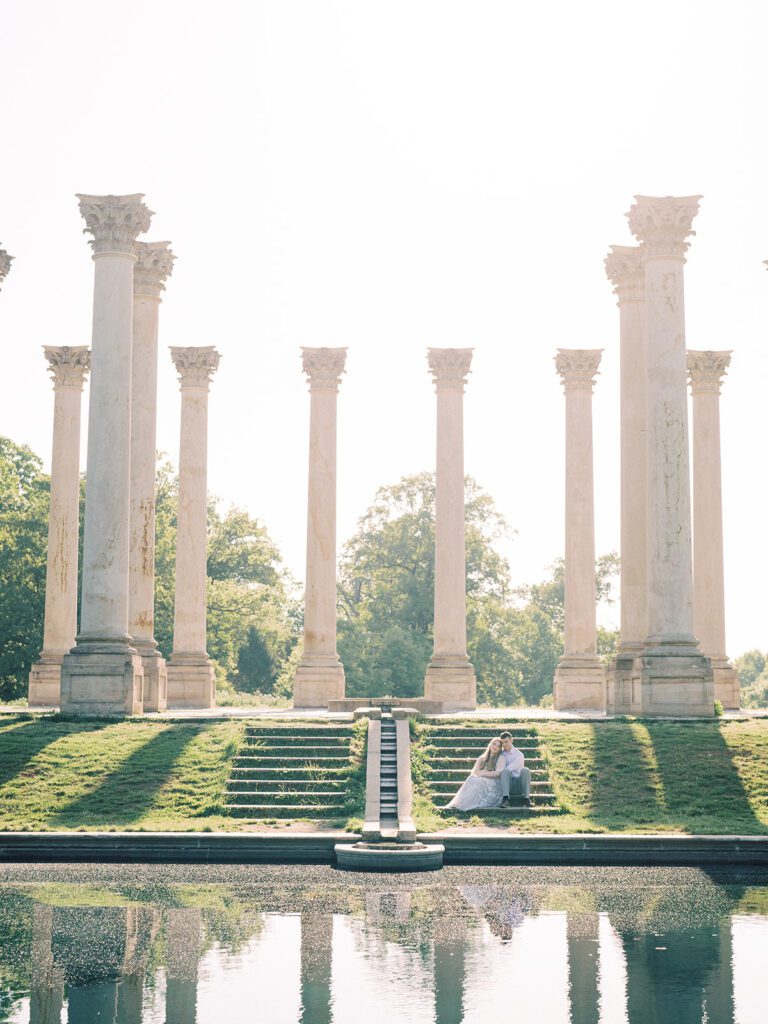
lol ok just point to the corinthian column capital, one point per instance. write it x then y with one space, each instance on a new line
68 366
624 269
154 265
578 367
195 365
5 264
449 367
323 367
114 221
706 370
663 223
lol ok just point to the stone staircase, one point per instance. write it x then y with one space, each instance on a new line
388 777
453 749
290 771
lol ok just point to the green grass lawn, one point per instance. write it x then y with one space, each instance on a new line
644 776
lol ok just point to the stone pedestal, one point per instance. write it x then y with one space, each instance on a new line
670 676
154 262
450 676
625 270
320 674
191 677
103 674
705 373
68 367
579 681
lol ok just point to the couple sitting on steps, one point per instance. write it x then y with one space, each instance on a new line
498 773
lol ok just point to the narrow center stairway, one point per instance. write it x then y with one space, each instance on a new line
291 771
451 751
388 779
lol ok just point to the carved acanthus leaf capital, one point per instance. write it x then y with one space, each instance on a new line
154 265
663 223
195 365
323 367
706 370
578 367
5 264
114 221
449 367
68 365
624 269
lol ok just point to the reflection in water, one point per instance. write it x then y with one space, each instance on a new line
187 946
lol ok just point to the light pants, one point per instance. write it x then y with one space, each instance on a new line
516 785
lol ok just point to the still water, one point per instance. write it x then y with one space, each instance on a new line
279 945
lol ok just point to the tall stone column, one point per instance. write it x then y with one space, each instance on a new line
5 264
705 374
320 674
624 269
103 673
154 263
68 368
450 675
191 678
580 677
670 676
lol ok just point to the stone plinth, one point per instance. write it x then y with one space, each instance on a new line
670 675
68 368
154 263
103 674
191 678
320 675
450 676
579 681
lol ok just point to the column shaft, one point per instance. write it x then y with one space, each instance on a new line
103 674
320 674
68 367
670 676
450 676
579 679
191 678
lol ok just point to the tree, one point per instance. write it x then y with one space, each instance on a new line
24 502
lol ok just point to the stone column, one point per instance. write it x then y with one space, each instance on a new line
705 373
320 674
154 263
191 678
5 264
580 677
624 269
68 368
671 676
103 673
450 675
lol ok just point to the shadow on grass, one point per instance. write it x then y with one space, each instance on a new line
126 793
702 786
21 744
623 789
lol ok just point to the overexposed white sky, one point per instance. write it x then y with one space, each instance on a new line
389 176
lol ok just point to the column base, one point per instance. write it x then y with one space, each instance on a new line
618 680
318 680
451 680
191 681
579 684
726 684
673 683
45 683
155 678
102 679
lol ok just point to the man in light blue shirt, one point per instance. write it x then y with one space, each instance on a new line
515 777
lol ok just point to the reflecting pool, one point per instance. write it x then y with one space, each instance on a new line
124 944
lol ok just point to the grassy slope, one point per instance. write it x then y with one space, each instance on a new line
642 776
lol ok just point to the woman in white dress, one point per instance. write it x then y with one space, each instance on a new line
483 787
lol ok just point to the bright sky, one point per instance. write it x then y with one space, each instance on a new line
388 176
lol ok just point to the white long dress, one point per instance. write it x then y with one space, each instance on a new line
477 792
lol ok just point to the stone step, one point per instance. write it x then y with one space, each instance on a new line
466 764
286 773
294 797
293 761
474 752
464 740
441 784
283 786
284 810
335 750
511 811
299 731
459 773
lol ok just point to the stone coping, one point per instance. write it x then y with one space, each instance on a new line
318 848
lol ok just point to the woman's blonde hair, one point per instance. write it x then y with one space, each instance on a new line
488 764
